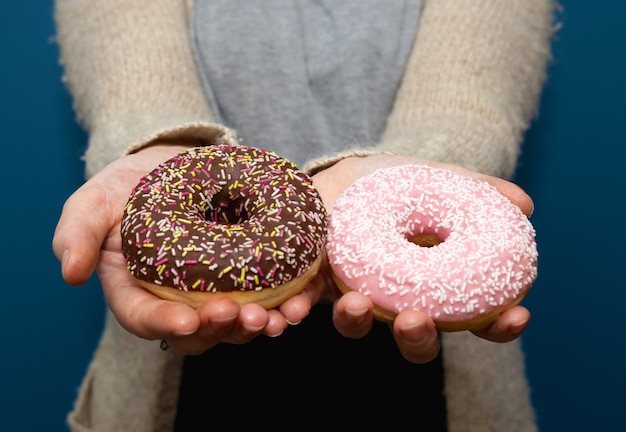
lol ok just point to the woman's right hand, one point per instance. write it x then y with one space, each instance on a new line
87 239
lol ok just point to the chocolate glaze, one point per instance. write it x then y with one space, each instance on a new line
223 218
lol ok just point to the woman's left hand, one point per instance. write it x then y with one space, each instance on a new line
415 333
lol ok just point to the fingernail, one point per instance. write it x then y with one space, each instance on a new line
293 322
275 335
253 329
63 261
184 327
356 313
519 327
180 333
220 323
415 333
231 318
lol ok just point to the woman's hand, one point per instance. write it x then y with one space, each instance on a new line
87 239
415 333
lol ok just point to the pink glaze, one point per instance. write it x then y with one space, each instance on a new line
487 257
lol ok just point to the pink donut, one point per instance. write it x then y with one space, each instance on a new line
418 237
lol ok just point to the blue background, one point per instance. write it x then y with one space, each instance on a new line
572 165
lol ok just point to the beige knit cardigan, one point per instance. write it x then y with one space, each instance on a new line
469 91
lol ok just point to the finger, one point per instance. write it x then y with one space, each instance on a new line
79 234
513 192
139 311
250 323
353 315
509 189
218 317
276 324
150 317
296 308
507 327
416 336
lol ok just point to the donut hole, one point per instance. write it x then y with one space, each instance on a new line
226 210
425 239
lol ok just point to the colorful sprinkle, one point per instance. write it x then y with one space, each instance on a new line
223 218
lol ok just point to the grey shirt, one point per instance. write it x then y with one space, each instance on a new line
303 78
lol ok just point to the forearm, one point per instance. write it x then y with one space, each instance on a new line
130 69
472 83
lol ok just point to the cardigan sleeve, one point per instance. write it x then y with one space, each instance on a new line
130 69
471 85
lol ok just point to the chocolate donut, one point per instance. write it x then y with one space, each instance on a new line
224 220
